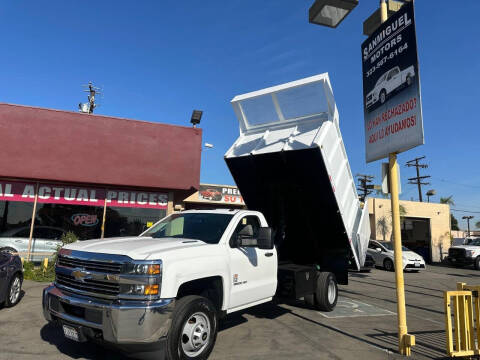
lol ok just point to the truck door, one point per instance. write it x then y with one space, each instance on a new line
253 270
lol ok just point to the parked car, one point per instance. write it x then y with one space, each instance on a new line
11 278
463 255
393 80
382 254
45 239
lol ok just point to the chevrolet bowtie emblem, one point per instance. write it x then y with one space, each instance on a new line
80 275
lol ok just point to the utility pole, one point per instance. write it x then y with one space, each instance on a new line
418 179
91 105
468 223
364 186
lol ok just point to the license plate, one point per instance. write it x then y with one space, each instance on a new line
70 333
417 265
454 260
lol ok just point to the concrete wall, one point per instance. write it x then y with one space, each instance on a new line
439 215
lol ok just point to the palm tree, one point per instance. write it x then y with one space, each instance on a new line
447 200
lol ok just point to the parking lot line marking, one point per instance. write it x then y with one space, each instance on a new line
353 308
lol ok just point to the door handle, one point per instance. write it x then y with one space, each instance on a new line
268 254
18 241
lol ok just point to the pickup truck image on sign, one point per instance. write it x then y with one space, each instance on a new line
169 286
391 81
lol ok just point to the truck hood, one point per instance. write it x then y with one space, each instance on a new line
138 247
466 247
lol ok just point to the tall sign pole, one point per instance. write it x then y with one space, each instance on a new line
397 235
393 118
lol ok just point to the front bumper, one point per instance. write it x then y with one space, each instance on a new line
460 260
117 322
414 265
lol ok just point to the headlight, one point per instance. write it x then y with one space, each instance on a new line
469 253
144 289
145 269
145 278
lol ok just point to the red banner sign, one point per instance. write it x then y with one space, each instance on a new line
79 195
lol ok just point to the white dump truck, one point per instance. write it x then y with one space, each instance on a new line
168 287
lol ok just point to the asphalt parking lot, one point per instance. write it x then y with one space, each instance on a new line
363 326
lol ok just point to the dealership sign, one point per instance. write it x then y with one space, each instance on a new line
79 195
391 87
220 194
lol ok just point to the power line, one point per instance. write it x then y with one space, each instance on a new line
466 211
418 179
456 183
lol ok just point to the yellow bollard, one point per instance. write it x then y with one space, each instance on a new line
45 264
23 260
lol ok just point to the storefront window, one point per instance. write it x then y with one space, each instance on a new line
84 221
15 217
123 221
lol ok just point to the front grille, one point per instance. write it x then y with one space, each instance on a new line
456 252
88 285
91 265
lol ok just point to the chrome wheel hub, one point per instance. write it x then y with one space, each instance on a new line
15 290
196 334
332 291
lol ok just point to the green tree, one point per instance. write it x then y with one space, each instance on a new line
449 201
477 224
454 222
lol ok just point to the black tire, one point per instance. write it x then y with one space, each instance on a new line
325 300
383 95
409 80
184 316
476 264
16 282
388 265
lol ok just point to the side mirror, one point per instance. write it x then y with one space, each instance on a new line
245 237
378 249
265 238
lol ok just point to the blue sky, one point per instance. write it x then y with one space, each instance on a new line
157 60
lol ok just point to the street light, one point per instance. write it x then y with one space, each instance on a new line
430 193
196 117
468 223
330 12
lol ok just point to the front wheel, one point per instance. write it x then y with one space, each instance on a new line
409 80
477 263
194 329
388 265
383 96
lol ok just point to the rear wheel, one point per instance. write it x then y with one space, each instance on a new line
193 331
326 293
388 265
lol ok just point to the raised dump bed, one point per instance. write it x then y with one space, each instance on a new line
289 162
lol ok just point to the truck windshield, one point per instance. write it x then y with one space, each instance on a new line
200 226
